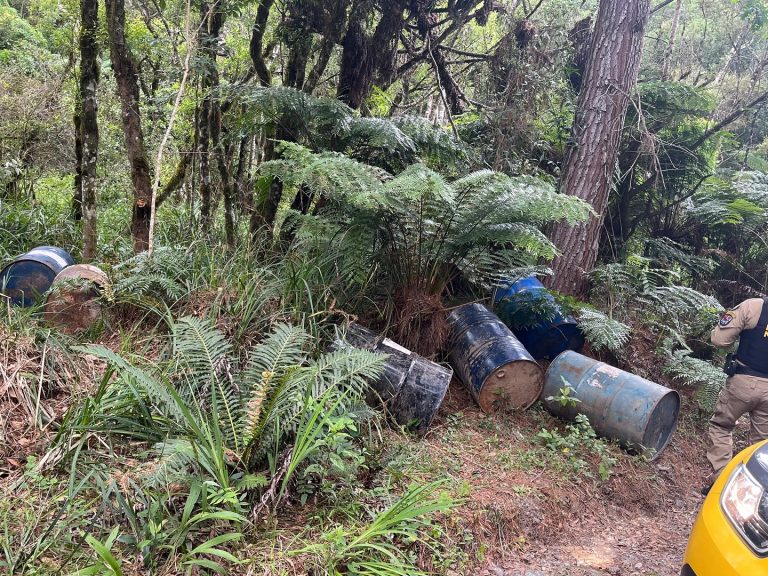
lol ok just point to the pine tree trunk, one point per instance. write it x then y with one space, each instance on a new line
126 75
614 60
89 128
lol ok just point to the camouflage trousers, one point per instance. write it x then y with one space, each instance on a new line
742 395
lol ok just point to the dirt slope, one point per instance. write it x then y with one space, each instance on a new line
531 516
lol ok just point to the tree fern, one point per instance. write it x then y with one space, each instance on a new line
327 124
691 371
420 229
601 331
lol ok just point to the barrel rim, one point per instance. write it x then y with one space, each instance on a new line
652 452
539 372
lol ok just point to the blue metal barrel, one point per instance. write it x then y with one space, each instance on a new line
30 275
490 361
552 333
640 414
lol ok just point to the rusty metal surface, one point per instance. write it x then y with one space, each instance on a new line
83 272
73 303
547 339
640 414
30 275
483 347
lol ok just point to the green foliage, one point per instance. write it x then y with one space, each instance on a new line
372 550
565 396
576 445
213 425
624 290
730 217
690 371
417 230
165 276
107 563
20 43
602 331
327 124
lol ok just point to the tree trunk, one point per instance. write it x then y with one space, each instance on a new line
671 43
77 191
364 59
426 22
210 113
89 82
298 56
256 47
614 59
128 87
203 154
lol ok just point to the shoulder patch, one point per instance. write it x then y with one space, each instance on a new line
726 319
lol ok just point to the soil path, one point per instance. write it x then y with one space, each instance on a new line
553 524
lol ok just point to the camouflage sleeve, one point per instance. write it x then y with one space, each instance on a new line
732 322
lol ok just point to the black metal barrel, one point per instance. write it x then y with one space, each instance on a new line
490 361
410 388
30 275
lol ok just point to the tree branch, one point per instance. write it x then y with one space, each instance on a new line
661 5
709 132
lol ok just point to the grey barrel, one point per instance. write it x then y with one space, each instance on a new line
640 414
491 361
30 275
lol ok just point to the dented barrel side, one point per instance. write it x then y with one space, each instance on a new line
640 414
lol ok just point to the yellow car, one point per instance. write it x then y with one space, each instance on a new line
730 535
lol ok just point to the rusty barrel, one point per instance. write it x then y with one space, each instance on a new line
640 414
72 303
411 388
490 361
30 275
537 319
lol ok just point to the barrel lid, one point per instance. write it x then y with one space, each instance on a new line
84 272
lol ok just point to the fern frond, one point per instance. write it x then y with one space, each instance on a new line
267 374
201 351
175 460
690 371
601 331
140 381
381 133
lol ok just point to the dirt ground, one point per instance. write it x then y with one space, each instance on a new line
541 522
523 516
